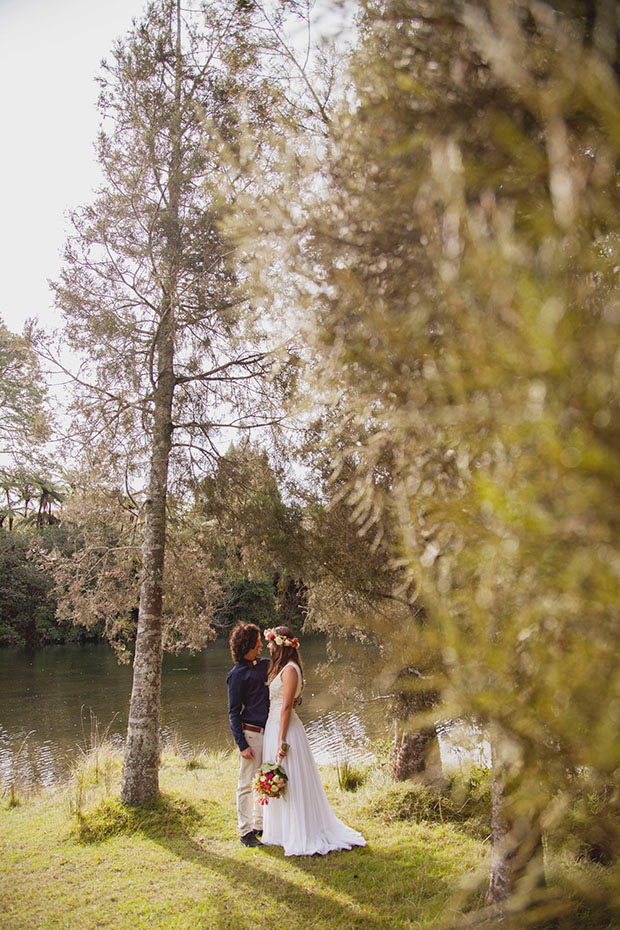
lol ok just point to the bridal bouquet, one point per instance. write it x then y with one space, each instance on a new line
270 782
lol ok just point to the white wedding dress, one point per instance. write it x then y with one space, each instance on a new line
302 821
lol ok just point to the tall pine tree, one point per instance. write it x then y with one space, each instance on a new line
149 295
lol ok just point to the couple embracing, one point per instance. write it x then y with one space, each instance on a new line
262 696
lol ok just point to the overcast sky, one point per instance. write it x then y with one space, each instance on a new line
50 52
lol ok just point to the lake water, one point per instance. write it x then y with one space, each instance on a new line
52 700
55 702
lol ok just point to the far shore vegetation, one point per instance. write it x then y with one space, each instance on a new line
29 615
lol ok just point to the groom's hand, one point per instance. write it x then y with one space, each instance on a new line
247 753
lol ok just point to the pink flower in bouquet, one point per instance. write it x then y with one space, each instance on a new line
270 782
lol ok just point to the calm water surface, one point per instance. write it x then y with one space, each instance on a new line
52 702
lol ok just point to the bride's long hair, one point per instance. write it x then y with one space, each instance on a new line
281 655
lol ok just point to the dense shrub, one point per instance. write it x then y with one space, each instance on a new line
463 800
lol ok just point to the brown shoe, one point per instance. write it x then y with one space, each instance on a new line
250 839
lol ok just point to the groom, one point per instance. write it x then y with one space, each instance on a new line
248 709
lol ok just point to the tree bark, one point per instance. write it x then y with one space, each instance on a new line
140 782
517 860
415 753
141 764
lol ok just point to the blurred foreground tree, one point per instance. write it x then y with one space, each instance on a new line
356 588
460 265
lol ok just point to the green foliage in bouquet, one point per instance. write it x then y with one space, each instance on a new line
270 782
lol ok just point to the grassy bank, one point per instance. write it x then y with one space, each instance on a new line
73 859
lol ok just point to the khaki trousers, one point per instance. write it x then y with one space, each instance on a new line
249 811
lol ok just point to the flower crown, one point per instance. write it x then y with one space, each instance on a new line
280 639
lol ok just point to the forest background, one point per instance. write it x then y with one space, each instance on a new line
346 331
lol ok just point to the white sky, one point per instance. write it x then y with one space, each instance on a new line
50 51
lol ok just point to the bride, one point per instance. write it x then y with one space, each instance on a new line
302 821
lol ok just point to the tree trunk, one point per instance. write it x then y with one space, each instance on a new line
517 861
414 753
141 764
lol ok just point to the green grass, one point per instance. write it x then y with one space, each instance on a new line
74 859
463 801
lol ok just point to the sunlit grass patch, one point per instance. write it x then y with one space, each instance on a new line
165 816
177 864
195 758
92 777
350 776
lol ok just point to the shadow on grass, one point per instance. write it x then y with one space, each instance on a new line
163 817
361 888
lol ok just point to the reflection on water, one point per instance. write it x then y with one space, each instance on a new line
57 703
464 744
340 736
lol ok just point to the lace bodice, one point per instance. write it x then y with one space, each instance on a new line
275 688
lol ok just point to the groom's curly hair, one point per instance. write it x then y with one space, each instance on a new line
242 639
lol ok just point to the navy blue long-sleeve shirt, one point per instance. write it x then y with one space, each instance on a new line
248 697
